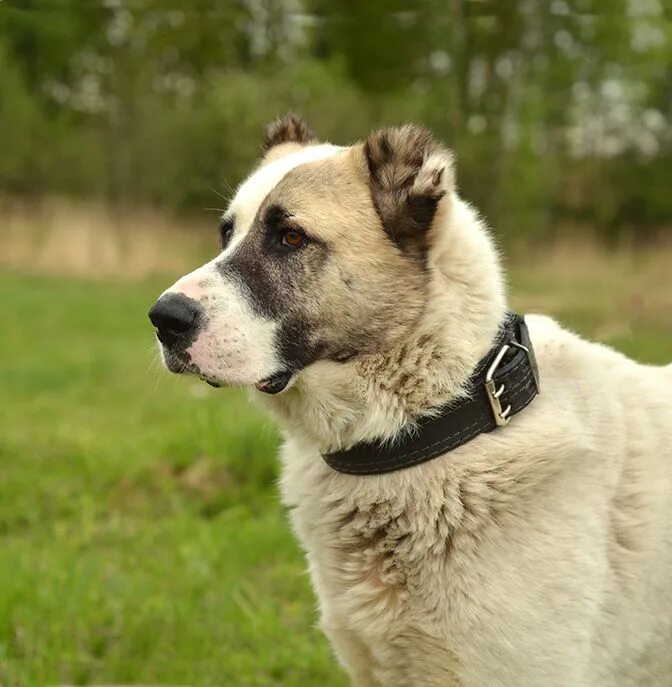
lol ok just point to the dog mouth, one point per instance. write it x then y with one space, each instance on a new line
270 385
275 383
181 364
177 363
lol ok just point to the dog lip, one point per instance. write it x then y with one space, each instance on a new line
175 363
275 383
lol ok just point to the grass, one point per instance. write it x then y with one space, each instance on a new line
141 538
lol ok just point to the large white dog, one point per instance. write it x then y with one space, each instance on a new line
359 294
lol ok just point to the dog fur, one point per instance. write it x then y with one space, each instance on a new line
537 555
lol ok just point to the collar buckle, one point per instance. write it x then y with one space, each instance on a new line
513 377
502 415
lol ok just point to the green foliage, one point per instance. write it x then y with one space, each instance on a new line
558 112
142 540
20 119
141 537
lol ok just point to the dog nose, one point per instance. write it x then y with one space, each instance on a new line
174 316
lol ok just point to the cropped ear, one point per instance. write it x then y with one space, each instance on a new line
409 174
288 129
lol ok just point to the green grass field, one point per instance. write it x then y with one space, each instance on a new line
141 537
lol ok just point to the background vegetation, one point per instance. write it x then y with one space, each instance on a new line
141 538
558 111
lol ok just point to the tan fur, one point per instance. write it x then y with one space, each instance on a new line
347 298
280 150
539 555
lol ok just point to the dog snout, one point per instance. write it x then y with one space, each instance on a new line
175 317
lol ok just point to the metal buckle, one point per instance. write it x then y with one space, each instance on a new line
502 415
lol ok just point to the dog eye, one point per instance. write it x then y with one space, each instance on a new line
292 238
225 232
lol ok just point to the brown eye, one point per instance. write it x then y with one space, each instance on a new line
292 238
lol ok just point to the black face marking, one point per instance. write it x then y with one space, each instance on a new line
296 343
268 289
279 281
273 274
275 217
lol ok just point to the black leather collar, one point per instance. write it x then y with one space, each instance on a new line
504 383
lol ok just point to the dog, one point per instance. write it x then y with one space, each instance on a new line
355 294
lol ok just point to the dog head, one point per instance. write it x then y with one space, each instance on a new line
323 257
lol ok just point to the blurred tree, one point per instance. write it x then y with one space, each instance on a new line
382 42
559 112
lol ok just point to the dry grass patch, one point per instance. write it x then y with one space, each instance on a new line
63 237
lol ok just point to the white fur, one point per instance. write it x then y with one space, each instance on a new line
539 555
236 346
251 193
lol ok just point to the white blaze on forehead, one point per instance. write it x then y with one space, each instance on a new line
259 184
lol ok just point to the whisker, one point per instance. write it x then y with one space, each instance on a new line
229 188
156 366
157 380
221 195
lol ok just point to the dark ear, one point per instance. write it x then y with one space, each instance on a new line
409 174
288 129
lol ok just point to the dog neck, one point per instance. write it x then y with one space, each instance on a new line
373 396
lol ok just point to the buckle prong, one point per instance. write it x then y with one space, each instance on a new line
502 415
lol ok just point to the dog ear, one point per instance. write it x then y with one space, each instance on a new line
288 129
409 173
